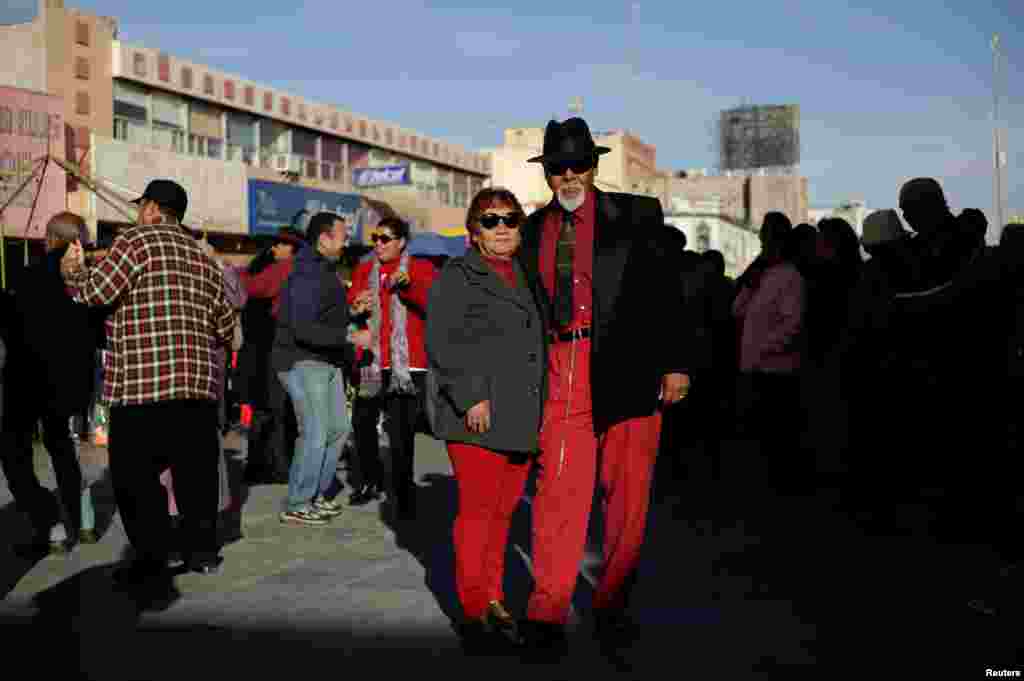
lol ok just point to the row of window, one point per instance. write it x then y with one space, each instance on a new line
362 128
24 122
14 169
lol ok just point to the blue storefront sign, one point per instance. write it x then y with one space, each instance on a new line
385 176
273 205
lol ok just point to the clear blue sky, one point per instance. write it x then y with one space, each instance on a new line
888 89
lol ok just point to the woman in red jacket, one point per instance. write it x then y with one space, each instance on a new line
391 288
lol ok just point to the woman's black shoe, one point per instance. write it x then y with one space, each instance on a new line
364 495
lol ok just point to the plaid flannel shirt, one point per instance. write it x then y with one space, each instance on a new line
171 315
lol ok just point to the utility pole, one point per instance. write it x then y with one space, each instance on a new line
998 141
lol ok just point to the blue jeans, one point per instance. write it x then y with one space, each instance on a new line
317 390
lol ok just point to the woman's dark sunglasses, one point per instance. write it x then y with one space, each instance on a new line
491 220
578 167
382 238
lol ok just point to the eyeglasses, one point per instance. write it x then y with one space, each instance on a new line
491 220
561 168
382 238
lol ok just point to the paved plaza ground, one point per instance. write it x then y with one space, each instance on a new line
731 587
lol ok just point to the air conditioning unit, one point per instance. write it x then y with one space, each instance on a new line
288 163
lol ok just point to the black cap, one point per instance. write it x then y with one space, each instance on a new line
568 141
168 194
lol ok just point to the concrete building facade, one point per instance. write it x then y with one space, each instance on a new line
168 107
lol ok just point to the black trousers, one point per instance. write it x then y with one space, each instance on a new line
766 449
16 458
144 441
402 414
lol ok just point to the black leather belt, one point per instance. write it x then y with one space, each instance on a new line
566 336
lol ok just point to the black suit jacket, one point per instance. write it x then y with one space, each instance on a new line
640 326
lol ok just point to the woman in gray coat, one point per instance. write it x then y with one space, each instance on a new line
485 388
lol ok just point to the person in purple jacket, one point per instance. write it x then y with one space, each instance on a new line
769 313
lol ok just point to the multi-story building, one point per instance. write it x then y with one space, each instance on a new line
630 166
135 112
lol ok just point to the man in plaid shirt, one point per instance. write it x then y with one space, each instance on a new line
170 315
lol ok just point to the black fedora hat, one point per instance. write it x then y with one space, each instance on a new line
168 194
568 141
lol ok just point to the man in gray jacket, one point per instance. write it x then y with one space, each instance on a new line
311 347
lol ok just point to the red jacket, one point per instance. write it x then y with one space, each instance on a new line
268 283
421 277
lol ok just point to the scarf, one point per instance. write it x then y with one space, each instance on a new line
370 384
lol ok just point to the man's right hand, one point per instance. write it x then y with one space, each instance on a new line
478 418
73 260
363 302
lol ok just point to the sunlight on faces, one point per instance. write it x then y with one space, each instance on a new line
502 241
282 251
571 188
332 242
392 250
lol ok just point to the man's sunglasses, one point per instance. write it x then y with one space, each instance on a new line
561 168
491 220
382 238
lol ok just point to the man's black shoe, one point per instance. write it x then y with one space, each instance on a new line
615 632
543 642
207 565
364 495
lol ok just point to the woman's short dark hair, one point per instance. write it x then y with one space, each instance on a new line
399 227
486 198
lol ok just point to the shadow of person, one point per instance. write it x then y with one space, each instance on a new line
103 502
90 615
18 553
231 519
428 537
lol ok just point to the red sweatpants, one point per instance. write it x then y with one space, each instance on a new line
623 457
489 491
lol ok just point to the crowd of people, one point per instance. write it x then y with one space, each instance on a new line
581 340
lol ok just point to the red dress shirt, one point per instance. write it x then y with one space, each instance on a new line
583 261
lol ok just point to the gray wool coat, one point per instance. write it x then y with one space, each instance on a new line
485 341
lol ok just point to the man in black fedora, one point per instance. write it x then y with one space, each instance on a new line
170 315
618 352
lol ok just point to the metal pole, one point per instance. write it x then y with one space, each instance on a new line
35 201
997 174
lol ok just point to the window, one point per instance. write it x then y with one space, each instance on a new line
163 68
186 78
304 143
376 134
335 121
348 124
437 149
208 87
214 148
302 112
250 95
389 137
229 89
139 65
311 168
6 120
331 150
82 68
362 128
286 106
82 103
268 101
412 142
402 141
82 33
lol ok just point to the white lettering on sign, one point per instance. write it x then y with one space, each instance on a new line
366 177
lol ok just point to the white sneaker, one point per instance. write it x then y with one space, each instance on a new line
58 538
